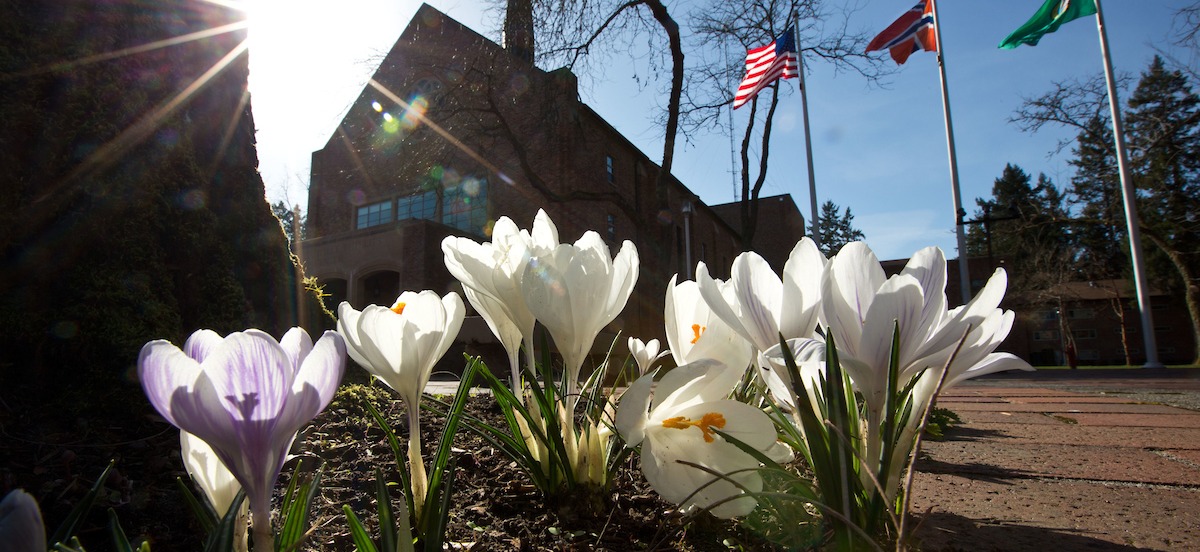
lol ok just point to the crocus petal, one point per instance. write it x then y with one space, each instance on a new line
544 234
662 454
21 526
296 344
849 286
760 295
252 373
347 325
724 308
218 484
163 369
801 294
201 343
631 410
322 371
995 362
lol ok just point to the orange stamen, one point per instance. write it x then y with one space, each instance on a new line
398 308
697 330
709 421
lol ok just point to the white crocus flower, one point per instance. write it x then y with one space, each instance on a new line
400 346
763 305
491 274
861 308
645 354
695 332
217 482
208 472
575 291
680 427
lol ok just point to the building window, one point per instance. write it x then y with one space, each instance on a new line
612 228
374 214
466 205
609 169
1089 354
419 206
1085 334
1081 314
1045 335
1048 315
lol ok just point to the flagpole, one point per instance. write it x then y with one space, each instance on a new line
964 274
812 181
1128 197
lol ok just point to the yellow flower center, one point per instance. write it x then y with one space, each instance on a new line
709 421
697 330
398 308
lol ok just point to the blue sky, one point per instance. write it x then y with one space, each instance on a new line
879 150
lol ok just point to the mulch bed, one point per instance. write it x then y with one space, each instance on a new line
55 453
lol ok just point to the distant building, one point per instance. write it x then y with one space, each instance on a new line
775 231
454 132
1102 319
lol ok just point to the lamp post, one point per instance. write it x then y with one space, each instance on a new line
687 209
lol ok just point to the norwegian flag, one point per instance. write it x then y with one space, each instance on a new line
913 31
766 64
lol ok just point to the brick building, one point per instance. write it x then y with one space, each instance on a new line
1102 319
453 132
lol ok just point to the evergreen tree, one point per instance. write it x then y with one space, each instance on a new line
1023 227
287 220
1164 137
837 228
1099 230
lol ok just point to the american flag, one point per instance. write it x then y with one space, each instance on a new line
913 31
766 64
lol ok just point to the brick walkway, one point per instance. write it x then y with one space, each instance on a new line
1065 461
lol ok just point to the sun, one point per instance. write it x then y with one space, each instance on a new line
309 60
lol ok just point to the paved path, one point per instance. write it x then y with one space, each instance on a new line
1066 461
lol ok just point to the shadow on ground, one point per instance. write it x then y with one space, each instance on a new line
945 532
973 470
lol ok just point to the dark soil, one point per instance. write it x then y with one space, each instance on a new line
494 506
56 455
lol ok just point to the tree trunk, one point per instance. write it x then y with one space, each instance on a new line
1189 289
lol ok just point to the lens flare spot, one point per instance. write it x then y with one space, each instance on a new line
356 196
378 107
387 117
664 217
168 137
471 187
391 125
488 227
193 199
417 107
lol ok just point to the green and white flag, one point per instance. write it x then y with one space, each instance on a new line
1048 19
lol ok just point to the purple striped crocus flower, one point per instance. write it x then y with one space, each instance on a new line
246 395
